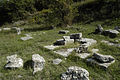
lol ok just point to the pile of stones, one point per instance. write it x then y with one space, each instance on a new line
111 33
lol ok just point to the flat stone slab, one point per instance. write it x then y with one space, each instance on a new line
104 65
64 52
95 50
26 38
83 55
57 61
63 31
110 43
101 60
51 47
14 62
6 29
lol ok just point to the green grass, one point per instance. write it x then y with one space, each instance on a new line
10 43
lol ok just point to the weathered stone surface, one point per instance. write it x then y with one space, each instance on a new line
85 44
64 52
99 29
75 73
83 55
111 33
95 50
88 42
6 29
14 62
60 42
66 37
68 40
57 61
76 36
51 47
63 31
26 38
38 62
117 28
102 60
110 43
81 49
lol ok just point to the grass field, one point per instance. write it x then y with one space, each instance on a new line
10 43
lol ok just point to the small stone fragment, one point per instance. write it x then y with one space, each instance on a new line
14 62
57 61
51 47
38 62
83 55
76 36
117 28
75 73
95 50
99 29
26 38
6 29
60 42
63 32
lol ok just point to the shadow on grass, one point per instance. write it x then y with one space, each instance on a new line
38 29
28 64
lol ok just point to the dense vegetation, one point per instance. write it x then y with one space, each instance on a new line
85 14
58 12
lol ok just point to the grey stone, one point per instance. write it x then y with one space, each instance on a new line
88 42
60 42
95 50
76 36
26 38
63 31
51 47
99 29
81 49
110 43
38 62
83 55
64 52
117 28
75 73
85 44
103 58
6 29
14 62
68 40
57 61
111 33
